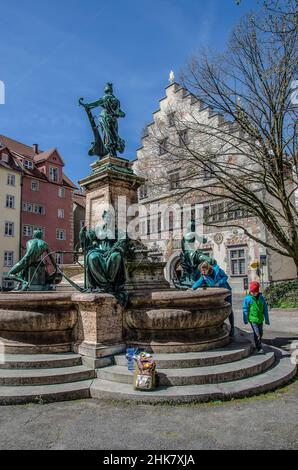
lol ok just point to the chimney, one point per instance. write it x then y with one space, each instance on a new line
35 149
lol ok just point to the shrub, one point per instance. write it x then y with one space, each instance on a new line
283 295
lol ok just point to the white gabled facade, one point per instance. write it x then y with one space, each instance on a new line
233 250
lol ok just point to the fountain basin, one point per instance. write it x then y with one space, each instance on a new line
178 321
42 319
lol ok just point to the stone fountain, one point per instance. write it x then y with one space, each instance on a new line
63 345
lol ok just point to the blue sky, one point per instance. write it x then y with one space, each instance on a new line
54 52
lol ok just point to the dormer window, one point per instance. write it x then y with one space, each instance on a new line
171 119
183 137
143 191
174 180
54 174
4 157
28 164
163 146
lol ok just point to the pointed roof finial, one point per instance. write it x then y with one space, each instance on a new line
171 77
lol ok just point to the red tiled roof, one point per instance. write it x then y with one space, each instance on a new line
28 152
11 164
68 182
80 200
17 147
35 173
41 156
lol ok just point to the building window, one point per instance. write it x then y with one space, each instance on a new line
54 174
11 180
7 284
60 234
60 213
27 207
230 211
59 258
171 119
208 171
174 180
82 224
236 212
36 227
206 215
8 259
34 185
238 262
39 209
193 213
214 216
220 212
10 202
143 191
9 229
153 224
33 208
143 227
28 165
163 146
148 225
171 221
183 137
4 157
61 192
27 230
159 223
217 212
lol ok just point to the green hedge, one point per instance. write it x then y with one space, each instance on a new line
283 295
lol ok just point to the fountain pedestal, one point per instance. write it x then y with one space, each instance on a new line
112 183
99 328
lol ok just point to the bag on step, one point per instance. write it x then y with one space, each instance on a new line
145 372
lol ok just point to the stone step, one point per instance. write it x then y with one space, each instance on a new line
234 352
247 367
16 347
39 361
45 393
277 376
14 377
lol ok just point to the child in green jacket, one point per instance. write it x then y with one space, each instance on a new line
255 311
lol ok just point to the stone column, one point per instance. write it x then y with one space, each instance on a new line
100 331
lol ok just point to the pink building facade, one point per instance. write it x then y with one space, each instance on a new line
47 198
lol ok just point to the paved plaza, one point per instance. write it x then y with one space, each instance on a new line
268 422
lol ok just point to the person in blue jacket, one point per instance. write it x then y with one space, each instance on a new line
255 311
214 276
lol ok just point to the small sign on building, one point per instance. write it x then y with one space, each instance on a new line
245 283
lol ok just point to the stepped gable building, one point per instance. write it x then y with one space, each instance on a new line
10 203
46 197
234 251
